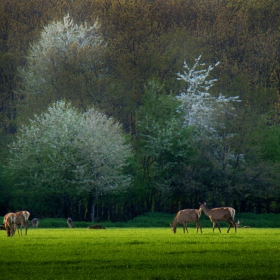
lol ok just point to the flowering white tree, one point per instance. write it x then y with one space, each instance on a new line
209 114
201 109
63 149
66 60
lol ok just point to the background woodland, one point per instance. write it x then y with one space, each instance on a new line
147 43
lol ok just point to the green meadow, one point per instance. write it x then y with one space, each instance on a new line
141 253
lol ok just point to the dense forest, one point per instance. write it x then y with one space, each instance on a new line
126 63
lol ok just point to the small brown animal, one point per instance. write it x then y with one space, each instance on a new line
35 222
239 226
10 223
96 227
187 216
70 223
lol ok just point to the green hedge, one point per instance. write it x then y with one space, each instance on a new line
155 219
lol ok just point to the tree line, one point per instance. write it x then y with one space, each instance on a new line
123 60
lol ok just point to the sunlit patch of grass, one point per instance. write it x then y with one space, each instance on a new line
140 253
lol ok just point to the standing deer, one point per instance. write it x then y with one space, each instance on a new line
219 214
70 223
22 220
187 216
35 222
9 223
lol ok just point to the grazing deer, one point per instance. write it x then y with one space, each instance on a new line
219 214
70 223
238 224
9 223
35 222
22 220
96 227
187 216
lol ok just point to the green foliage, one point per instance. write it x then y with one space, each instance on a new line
163 144
67 57
140 253
63 152
147 40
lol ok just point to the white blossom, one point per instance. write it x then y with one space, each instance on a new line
206 113
63 148
59 43
200 108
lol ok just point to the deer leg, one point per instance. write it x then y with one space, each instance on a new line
219 227
184 227
15 229
26 227
187 228
214 224
233 224
8 231
12 230
229 226
200 227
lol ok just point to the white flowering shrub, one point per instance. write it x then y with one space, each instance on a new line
207 114
62 47
63 149
102 153
202 110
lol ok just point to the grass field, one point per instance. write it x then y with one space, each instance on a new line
141 253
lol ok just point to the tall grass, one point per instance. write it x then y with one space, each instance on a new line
140 253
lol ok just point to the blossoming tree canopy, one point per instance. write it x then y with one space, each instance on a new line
201 109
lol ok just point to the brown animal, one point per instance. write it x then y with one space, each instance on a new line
22 220
96 227
238 224
219 214
187 216
35 222
70 223
9 223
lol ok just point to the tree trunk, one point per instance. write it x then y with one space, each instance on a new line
92 211
94 204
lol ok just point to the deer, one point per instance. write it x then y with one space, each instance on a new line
70 223
187 216
238 224
9 223
22 220
96 227
219 214
35 222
